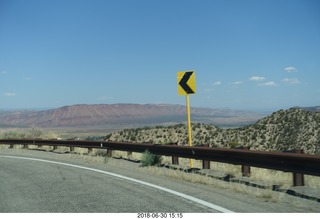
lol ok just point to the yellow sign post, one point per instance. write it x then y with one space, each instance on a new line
186 86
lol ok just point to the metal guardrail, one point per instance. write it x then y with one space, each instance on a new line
287 162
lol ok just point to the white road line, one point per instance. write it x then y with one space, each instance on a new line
191 198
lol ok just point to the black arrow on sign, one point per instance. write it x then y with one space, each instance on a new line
184 80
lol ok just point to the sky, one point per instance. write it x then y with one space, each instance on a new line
245 54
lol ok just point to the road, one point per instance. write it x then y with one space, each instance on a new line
35 181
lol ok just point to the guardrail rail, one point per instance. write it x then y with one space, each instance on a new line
297 163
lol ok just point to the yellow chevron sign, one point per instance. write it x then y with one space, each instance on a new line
186 82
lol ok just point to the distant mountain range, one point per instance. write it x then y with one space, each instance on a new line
309 109
100 115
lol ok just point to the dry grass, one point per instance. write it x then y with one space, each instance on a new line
269 177
312 181
266 195
3 146
284 180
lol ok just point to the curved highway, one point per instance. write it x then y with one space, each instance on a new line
34 181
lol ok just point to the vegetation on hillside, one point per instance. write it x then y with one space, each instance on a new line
283 130
33 132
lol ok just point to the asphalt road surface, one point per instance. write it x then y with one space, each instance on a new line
35 181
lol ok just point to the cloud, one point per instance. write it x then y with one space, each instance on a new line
3 73
217 83
270 84
209 88
290 69
9 94
291 81
257 78
237 82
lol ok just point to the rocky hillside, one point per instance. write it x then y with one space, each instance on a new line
102 115
285 129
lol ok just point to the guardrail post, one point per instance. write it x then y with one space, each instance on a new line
246 170
109 153
25 146
71 149
174 160
11 146
298 178
206 163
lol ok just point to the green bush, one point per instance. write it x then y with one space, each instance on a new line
149 159
234 144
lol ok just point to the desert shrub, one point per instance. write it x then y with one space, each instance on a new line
150 159
234 144
94 138
108 136
35 132
13 134
101 153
